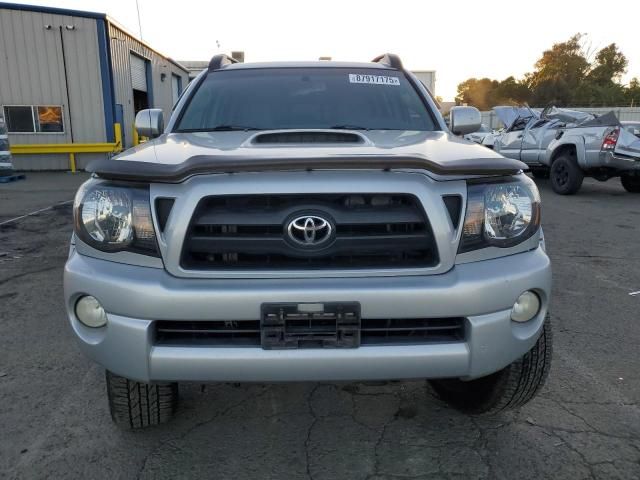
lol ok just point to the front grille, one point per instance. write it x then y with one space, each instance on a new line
250 232
219 333
373 331
411 331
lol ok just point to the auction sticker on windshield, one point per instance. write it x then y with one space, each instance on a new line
373 79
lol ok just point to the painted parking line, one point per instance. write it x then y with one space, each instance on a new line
634 293
34 213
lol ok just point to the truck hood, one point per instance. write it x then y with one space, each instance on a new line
509 114
174 157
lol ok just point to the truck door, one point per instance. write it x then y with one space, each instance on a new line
511 141
537 135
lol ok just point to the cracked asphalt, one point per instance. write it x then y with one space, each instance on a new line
585 424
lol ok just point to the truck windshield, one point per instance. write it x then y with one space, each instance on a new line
294 98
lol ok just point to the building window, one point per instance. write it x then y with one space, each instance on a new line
34 119
19 119
49 119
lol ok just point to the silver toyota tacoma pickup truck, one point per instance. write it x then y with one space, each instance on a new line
568 145
309 222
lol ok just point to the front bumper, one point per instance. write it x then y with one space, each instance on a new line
134 297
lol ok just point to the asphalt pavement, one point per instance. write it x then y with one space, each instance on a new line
585 424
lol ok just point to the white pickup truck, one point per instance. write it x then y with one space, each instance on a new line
567 145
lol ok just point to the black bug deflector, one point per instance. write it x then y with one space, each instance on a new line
207 164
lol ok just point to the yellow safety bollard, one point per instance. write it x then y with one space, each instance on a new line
72 162
117 130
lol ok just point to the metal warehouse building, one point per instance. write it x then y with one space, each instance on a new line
71 83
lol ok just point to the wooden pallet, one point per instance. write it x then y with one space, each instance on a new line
11 178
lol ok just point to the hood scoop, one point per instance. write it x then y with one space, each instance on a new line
298 137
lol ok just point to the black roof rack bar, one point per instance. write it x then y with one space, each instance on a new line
219 61
390 60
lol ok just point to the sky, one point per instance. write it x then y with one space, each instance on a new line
458 39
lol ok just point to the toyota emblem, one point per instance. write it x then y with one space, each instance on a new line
309 230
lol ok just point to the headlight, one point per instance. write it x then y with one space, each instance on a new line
115 218
501 213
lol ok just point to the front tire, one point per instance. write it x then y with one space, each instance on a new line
509 388
135 405
566 176
630 183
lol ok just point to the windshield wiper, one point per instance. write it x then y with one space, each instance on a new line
348 127
221 128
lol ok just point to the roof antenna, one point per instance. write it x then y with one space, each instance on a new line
139 22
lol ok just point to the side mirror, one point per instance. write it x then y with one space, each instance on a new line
150 123
463 120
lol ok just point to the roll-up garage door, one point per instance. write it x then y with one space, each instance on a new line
138 73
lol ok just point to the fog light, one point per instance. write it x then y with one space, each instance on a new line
526 307
90 312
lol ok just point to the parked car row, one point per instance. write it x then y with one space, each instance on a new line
567 145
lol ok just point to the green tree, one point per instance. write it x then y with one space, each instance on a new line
562 76
602 84
476 92
485 93
632 92
511 92
559 72
609 65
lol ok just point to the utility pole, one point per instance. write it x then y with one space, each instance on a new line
139 22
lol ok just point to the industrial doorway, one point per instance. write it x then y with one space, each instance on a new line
141 83
140 100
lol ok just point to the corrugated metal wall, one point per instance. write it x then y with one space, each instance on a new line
122 45
623 113
31 73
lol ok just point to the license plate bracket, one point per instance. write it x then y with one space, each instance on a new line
310 325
